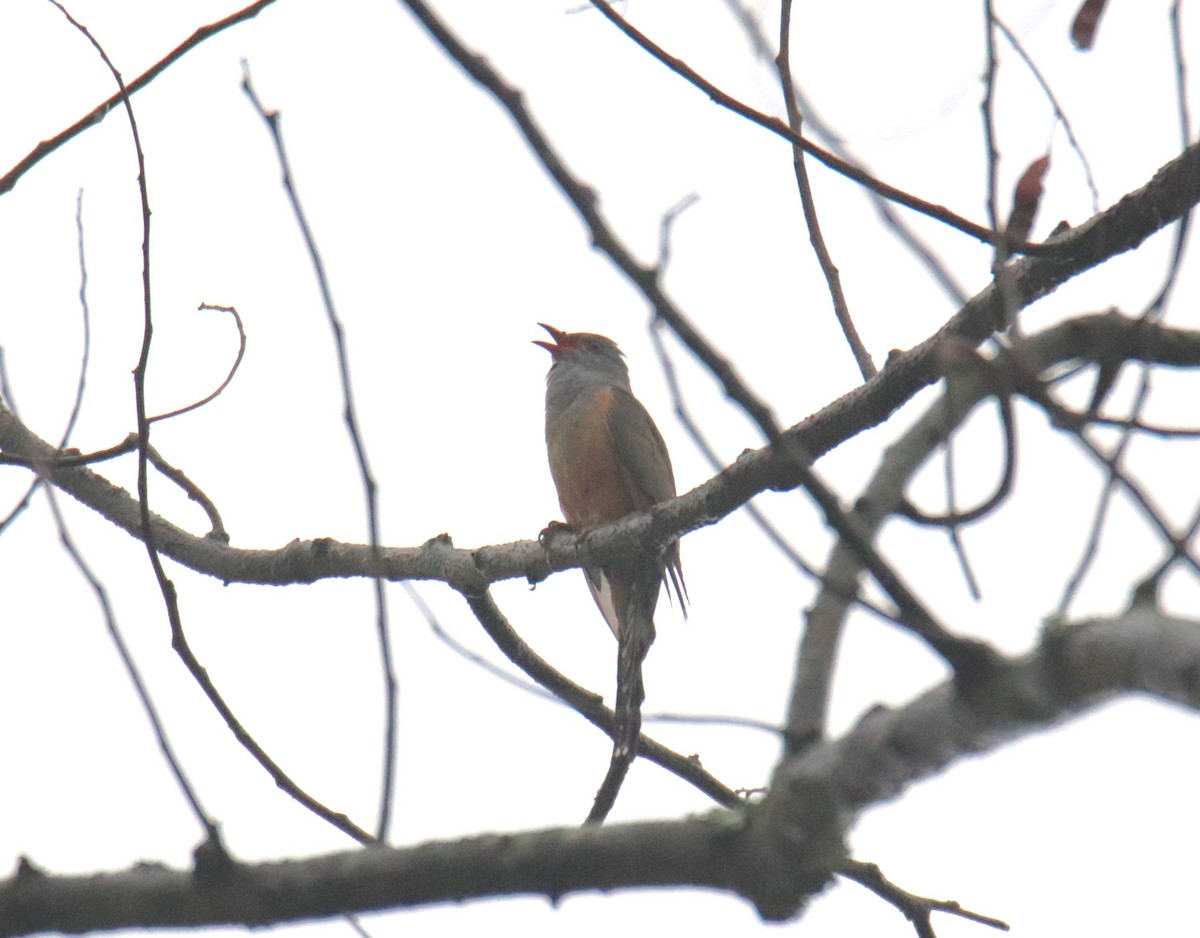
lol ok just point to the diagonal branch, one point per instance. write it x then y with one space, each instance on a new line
1077 667
587 704
101 111
781 129
833 278
474 569
584 200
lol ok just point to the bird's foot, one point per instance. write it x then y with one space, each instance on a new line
552 530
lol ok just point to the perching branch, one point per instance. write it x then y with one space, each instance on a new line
474 569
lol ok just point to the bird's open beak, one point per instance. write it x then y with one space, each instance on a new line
555 334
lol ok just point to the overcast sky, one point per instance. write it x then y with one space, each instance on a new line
445 244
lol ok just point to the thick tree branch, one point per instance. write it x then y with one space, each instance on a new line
775 854
1076 667
723 852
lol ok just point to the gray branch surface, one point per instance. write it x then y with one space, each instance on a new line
776 853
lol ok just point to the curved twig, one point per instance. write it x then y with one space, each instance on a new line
956 519
232 370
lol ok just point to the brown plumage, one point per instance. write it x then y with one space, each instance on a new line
607 459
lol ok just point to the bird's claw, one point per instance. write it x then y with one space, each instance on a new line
551 531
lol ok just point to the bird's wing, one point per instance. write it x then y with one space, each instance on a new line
645 465
641 454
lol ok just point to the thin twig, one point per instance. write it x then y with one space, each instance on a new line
86 322
1059 113
76 405
194 492
833 278
820 128
1158 304
1000 243
955 518
781 129
435 626
166 587
952 530
1173 554
772 533
370 488
131 669
1141 426
1153 312
1139 498
587 704
917 909
1110 463
232 370
1091 547
73 458
584 200
100 111
665 226
146 527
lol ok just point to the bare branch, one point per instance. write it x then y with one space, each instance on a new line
369 485
475 569
166 587
1077 667
779 128
583 198
232 368
100 111
917 909
757 853
890 218
833 279
1059 113
589 705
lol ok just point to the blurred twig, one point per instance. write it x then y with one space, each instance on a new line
1059 113
917 909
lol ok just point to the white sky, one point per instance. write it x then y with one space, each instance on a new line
445 244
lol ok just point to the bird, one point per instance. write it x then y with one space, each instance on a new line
607 460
